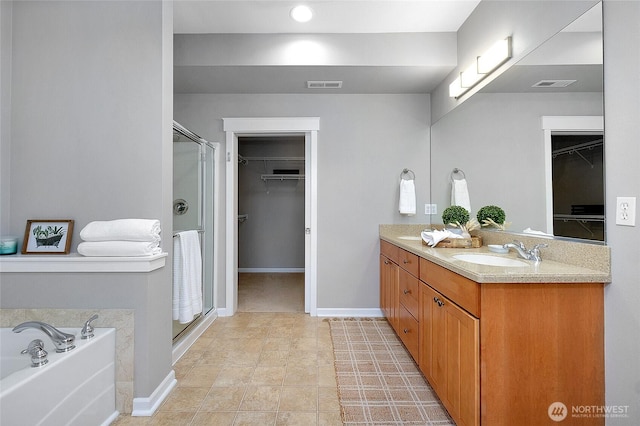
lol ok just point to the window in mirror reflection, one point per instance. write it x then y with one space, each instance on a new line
578 185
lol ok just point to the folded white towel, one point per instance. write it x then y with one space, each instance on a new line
432 238
122 230
119 248
460 194
407 203
532 231
187 276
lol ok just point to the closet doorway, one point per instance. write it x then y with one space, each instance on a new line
574 168
236 128
271 223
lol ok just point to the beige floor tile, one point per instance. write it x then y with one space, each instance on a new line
261 398
200 376
301 375
329 418
255 418
172 418
296 418
184 399
299 398
268 375
327 375
234 376
273 358
223 399
328 399
222 418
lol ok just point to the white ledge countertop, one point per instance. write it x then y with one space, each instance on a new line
74 262
546 271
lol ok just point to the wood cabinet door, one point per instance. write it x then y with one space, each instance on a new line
389 299
450 354
462 357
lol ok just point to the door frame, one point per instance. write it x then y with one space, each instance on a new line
261 126
564 123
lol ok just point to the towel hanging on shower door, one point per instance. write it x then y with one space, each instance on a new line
187 276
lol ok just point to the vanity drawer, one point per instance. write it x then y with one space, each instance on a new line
408 291
389 250
408 331
408 261
460 290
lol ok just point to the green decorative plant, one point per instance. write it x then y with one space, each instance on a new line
492 216
455 215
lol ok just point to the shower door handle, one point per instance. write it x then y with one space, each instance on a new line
307 231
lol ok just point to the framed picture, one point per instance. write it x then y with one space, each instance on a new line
47 237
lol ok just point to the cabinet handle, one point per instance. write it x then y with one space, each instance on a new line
406 330
438 301
405 291
386 262
405 261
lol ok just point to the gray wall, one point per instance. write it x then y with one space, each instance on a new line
364 142
273 235
622 156
529 22
91 140
497 140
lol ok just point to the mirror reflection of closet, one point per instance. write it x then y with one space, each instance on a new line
578 185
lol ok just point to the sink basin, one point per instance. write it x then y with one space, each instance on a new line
484 259
405 237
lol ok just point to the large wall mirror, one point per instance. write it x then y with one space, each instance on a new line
496 138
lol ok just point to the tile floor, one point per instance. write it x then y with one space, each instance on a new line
254 369
271 292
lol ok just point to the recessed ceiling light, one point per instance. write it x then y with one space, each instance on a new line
301 13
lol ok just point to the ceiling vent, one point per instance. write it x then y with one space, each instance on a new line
323 84
554 83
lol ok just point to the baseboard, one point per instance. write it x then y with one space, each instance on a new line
271 270
147 406
185 343
350 312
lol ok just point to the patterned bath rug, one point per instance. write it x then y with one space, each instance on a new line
378 381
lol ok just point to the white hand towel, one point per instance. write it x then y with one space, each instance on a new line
122 230
187 276
432 238
460 194
119 248
407 203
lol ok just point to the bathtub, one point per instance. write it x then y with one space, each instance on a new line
73 388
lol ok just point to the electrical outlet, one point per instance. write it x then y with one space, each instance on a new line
430 209
626 211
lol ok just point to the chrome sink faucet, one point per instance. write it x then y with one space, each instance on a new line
61 340
533 254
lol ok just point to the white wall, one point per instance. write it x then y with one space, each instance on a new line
622 156
364 142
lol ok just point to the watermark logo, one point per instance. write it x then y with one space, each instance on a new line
557 411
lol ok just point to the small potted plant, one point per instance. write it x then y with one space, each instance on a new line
458 217
492 216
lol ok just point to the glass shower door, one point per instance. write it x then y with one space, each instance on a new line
193 183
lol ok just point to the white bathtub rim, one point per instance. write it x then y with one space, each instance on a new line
18 378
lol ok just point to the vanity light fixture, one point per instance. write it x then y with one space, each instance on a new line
497 55
301 13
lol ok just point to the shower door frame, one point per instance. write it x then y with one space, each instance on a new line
235 127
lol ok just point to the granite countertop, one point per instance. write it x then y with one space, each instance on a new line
548 270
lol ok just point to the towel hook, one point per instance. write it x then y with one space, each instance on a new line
408 172
456 171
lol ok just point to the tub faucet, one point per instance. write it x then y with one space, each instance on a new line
61 340
533 254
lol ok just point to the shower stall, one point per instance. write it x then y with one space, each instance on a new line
194 206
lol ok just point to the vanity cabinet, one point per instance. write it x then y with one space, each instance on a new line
502 353
449 347
399 293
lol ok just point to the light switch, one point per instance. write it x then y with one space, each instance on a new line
626 211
